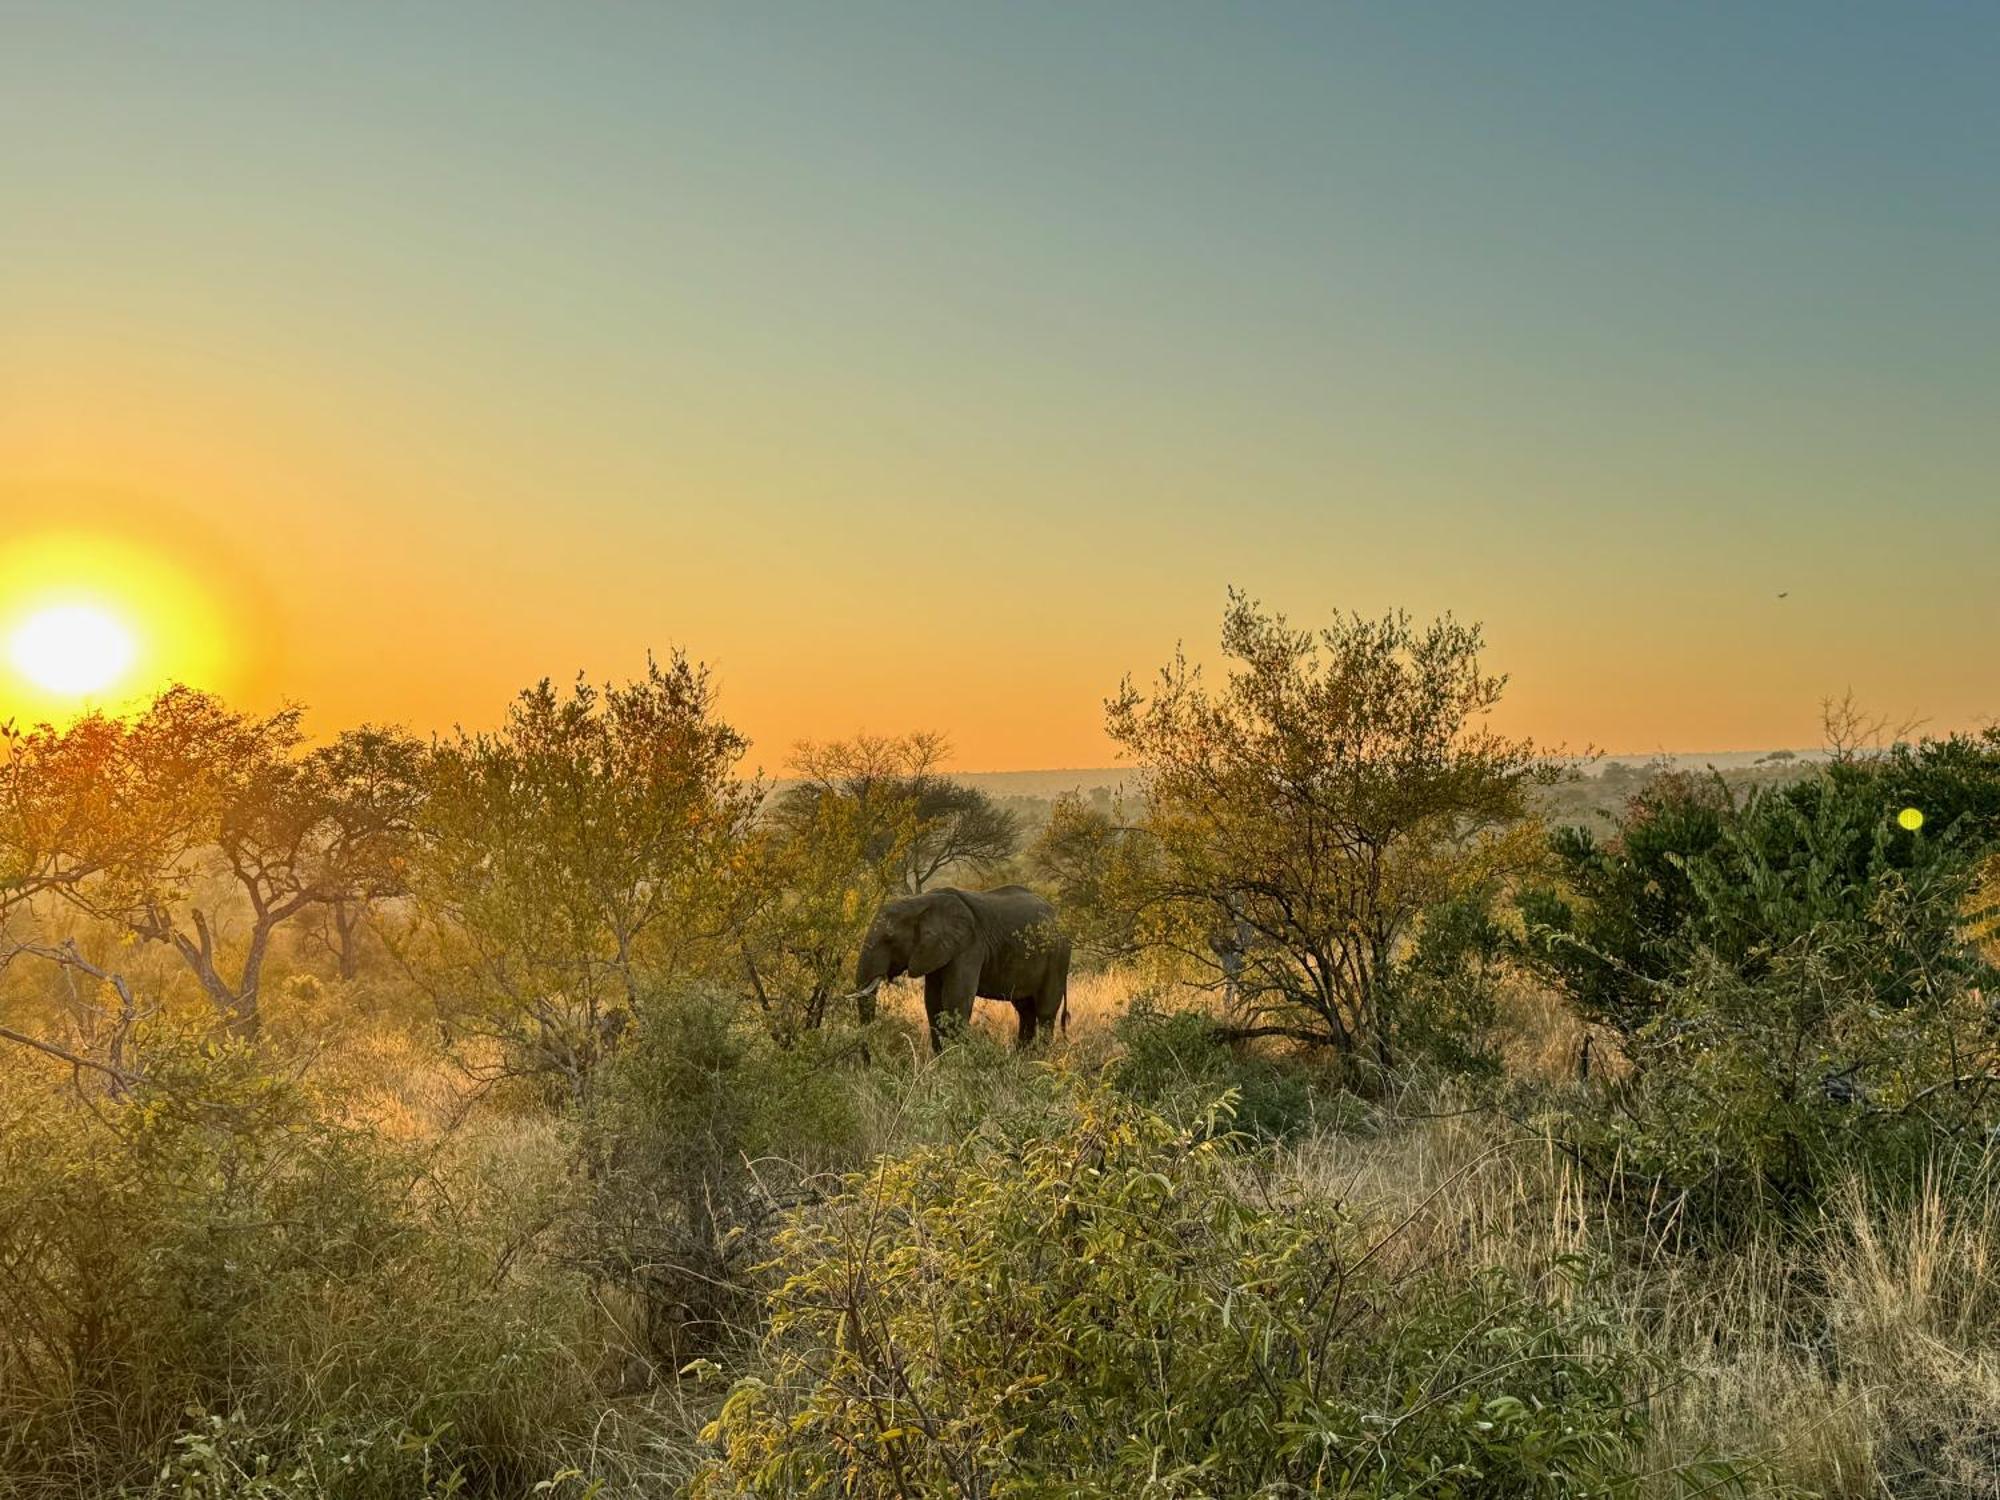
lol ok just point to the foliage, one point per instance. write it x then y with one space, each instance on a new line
1095 865
1763 1090
576 858
1610 933
812 881
1309 810
1800 995
916 821
1695 871
1170 1061
153 825
703 1126
1096 1312
215 1243
1447 1002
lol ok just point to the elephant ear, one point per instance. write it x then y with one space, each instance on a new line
944 931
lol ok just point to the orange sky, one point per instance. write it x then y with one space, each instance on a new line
926 372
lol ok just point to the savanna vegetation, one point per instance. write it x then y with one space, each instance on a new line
1443 1116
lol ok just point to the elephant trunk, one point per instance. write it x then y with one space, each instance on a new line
879 961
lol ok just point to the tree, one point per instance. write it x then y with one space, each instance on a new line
578 858
1094 863
193 820
813 881
372 782
905 802
1333 788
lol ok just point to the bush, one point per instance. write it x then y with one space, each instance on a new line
210 1248
1762 1093
692 1106
1448 988
1171 1061
1694 872
1094 1311
1800 995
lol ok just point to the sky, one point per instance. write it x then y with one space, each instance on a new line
934 366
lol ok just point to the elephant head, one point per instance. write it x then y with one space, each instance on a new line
915 935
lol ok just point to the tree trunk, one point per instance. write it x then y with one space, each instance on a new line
347 936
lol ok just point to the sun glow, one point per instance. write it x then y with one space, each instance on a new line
72 650
100 621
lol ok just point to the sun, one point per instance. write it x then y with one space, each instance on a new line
99 622
72 650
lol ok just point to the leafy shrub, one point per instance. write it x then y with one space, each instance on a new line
1799 990
1094 1311
1172 1062
1764 1091
1694 872
698 1097
210 1244
1617 925
1448 987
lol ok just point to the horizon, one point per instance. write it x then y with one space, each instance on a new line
934 370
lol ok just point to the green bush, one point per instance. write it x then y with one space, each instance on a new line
1694 873
703 1126
1095 1312
1171 1061
210 1247
1800 995
1448 986
1761 1093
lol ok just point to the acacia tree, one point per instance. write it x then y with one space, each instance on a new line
1094 860
199 828
371 782
577 858
910 810
812 882
1307 811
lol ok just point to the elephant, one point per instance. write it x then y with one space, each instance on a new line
1002 944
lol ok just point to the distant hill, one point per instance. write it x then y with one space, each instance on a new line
1050 784
1054 783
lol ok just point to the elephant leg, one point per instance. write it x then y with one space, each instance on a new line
961 984
1025 1010
1048 1007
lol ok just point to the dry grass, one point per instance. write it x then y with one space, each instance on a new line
1096 1001
1862 1360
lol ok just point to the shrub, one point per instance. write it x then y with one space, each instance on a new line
697 1098
1171 1061
1799 991
1693 871
1614 928
1094 1311
1761 1092
1448 987
210 1247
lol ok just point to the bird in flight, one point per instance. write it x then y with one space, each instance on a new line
1784 593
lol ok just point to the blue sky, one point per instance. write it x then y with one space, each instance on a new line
934 365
